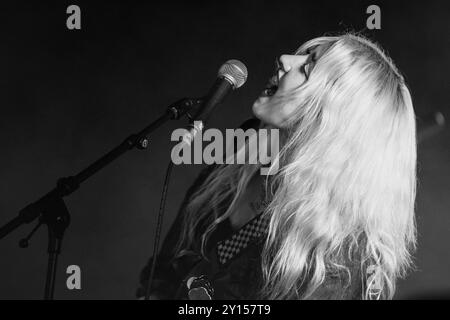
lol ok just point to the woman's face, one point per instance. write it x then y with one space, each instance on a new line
292 71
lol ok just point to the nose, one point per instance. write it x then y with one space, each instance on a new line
283 65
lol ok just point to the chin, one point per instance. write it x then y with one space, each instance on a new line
258 109
265 120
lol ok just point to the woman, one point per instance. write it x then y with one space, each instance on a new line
336 220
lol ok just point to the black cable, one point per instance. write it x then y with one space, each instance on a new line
158 229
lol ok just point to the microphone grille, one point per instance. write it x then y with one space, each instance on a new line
235 72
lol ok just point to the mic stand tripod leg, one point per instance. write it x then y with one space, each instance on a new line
57 219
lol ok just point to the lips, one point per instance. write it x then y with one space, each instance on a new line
270 91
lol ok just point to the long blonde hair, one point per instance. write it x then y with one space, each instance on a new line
347 177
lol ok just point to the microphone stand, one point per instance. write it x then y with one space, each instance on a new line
51 209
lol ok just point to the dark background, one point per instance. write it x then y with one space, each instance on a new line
67 97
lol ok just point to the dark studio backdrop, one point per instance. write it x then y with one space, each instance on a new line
68 96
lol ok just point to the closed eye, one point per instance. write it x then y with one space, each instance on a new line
307 68
309 64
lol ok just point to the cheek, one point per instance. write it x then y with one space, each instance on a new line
292 81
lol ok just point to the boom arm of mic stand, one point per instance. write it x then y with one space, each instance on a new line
66 186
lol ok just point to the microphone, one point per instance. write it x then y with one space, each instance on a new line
232 75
